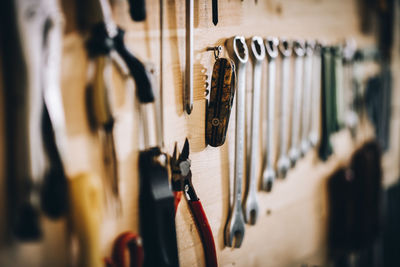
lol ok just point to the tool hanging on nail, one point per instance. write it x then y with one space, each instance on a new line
257 56
35 124
316 97
182 182
269 173
218 108
235 228
188 85
285 49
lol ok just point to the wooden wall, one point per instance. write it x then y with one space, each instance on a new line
291 228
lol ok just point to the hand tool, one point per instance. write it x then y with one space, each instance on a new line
337 86
137 9
307 82
85 215
221 100
182 182
31 56
316 97
215 12
257 55
325 147
235 228
188 89
126 242
285 48
269 174
294 152
351 118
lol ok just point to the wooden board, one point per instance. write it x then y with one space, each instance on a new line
291 229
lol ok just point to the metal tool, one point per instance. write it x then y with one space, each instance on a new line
294 152
285 48
316 97
188 89
235 229
182 181
35 125
215 12
257 55
306 110
269 173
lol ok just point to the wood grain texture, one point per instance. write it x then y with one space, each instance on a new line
291 228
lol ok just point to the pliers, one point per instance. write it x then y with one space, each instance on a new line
182 183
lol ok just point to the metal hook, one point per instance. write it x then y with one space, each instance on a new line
217 51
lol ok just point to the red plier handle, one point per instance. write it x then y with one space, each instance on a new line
205 232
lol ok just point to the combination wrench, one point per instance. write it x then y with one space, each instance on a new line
235 228
285 48
316 96
257 55
294 152
269 174
307 82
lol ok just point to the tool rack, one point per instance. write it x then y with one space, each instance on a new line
291 228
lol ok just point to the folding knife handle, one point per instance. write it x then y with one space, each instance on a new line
205 232
137 9
144 90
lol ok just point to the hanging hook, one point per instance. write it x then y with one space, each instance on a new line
217 51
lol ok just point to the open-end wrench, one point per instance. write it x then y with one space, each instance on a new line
269 174
307 81
316 96
257 55
294 152
286 48
234 231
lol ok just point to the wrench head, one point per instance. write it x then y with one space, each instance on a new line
294 155
269 176
235 229
271 47
283 166
313 139
251 208
256 47
299 48
305 147
237 49
285 47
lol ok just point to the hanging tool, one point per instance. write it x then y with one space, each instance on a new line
137 9
285 48
35 126
215 12
235 228
269 173
316 97
126 243
307 82
257 55
294 152
221 99
182 182
85 216
188 89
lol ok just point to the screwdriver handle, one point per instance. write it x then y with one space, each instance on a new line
85 217
144 89
137 9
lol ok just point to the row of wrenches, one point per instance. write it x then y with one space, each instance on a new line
305 60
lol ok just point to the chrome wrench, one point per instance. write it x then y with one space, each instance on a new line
294 152
307 81
269 174
316 96
285 48
257 55
235 228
